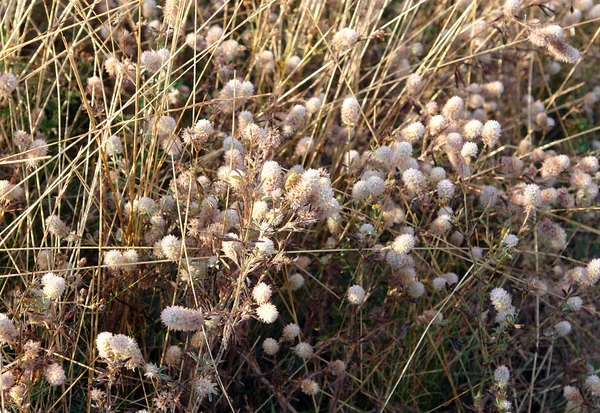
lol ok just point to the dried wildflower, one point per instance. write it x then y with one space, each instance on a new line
414 180
469 150
153 60
55 374
296 281
262 293
437 124
8 332
337 367
563 52
9 191
414 83
292 63
265 61
445 189
56 226
450 277
7 380
350 112
453 109
356 295
490 134
563 328
439 283
416 289
501 376
574 303
119 348
313 105
270 346
413 133
531 197
54 286
309 387
366 189
171 247
291 331
345 39
303 350
199 134
205 387
180 318
267 313
8 83
511 8
592 383
592 273
173 355
510 240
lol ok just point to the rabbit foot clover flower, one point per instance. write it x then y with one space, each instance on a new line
179 318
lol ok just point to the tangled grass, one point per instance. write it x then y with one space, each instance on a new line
299 206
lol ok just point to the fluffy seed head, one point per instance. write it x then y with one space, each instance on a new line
501 376
404 243
291 331
55 374
563 328
414 83
413 133
511 240
54 286
296 281
267 313
490 133
173 355
453 109
531 197
261 293
356 295
309 387
270 346
171 247
345 39
180 318
350 111
303 350
8 332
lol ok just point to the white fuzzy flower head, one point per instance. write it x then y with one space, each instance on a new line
416 289
501 300
445 189
292 64
450 277
313 105
511 8
337 367
171 247
7 380
574 303
8 83
54 286
414 180
291 331
414 83
8 332
270 346
356 294
413 133
173 355
303 350
403 244
490 133
264 246
345 39
501 376
153 60
350 111
473 129
267 313
55 374
180 318
453 109
511 240
572 394
469 150
309 387
262 293
439 283
532 197
296 281
592 272
563 328
56 226
592 383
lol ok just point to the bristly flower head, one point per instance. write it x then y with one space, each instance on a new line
345 39
179 318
